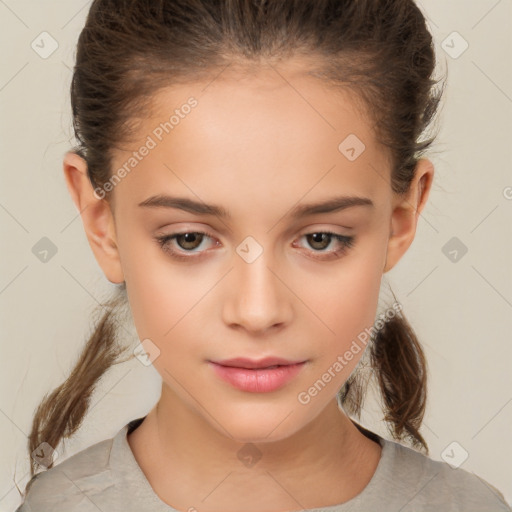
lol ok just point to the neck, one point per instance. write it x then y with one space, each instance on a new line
189 463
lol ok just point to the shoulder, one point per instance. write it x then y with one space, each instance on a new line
426 483
71 484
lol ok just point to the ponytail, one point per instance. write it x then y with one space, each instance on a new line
399 365
60 414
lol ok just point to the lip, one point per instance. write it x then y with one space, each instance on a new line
257 380
243 362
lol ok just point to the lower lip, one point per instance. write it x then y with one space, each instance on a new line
257 381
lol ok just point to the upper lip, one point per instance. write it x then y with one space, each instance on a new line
242 362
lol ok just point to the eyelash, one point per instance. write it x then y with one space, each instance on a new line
346 243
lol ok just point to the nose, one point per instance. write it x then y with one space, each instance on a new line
256 297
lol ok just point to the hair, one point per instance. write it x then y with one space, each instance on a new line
380 50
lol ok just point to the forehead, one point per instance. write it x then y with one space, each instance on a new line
272 134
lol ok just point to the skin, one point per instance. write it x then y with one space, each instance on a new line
257 147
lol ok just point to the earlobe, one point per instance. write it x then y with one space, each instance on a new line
97 217
406 211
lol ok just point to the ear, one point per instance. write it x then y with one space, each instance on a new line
97 217
406 210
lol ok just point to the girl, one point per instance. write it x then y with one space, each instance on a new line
246 172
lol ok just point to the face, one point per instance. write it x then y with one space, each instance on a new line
254 275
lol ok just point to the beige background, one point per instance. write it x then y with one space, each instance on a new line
461 311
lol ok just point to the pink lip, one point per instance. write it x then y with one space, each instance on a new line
243 362
257 380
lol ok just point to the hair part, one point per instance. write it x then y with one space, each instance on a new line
381 50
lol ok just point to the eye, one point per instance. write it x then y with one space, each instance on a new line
190 242
187 242
321 240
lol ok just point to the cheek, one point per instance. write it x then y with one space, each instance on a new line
153 289
166 309
167 302
344 299
164 298
347 306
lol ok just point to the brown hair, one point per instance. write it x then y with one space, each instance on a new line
129 49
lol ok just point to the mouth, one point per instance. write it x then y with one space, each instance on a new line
261 364
260 377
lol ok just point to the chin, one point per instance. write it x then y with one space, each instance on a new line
258 427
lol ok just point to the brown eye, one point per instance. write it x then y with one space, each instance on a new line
188 241
319 241
183 246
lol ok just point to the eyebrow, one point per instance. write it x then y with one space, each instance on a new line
303 210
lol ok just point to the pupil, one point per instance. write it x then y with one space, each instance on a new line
319 238
190 238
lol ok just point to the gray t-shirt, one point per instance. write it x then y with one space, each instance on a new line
106 477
